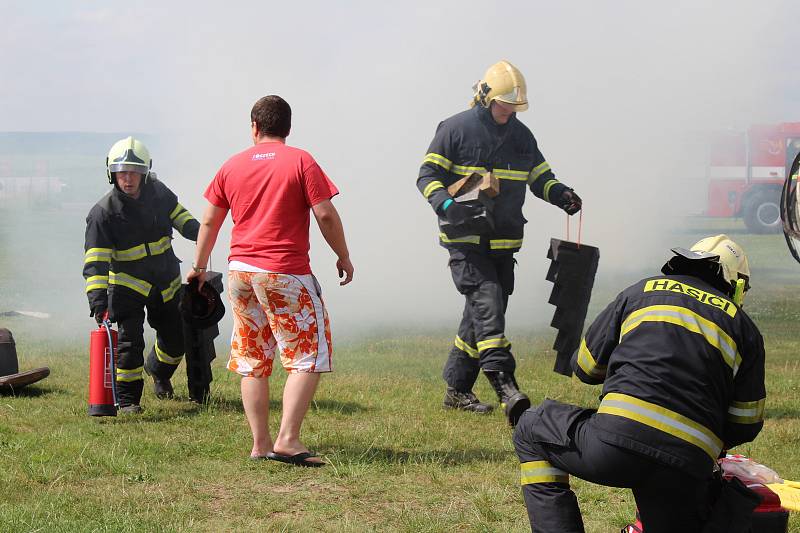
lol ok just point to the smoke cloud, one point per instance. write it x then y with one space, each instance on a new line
622 96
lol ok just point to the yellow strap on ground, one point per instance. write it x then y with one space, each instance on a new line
788 492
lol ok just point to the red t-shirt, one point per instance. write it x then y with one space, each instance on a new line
269 190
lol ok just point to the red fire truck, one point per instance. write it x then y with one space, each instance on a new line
746 173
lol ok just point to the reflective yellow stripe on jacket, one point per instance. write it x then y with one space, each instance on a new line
686 318
140 251
102 255
169 293
432 186
746 412
126 280
505 244
547 187
438 160
513 175
179 217
96 282
466 239
537 171
541 472
662 419
588 363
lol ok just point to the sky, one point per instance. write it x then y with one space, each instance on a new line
621 93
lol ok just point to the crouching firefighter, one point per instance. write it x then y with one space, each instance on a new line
682 368
487 138
130 267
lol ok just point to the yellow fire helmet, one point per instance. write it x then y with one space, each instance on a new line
731 258
503 82
128 155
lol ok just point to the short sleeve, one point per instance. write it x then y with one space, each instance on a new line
316 184
215 192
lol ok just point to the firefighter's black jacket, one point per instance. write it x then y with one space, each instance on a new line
471 141
128 244
682 369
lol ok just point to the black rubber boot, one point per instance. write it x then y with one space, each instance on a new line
466 401
129 393
199 394
513 401
163 388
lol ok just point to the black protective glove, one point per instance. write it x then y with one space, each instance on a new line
457 213
99 313
570 202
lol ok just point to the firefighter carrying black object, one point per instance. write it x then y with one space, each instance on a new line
487 137
682 368
130 266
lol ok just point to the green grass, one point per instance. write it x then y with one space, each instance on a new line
398 461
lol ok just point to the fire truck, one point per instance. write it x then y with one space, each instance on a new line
746 172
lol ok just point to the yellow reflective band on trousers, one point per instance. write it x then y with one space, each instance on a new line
432 186
466 239
164 357
513 175
541 472
134 374
462 345
746 412
96 282
547 187
662 419
169 293
102 255
488 344
126 280
538 171
686 318
438 160
505 244
588 364
683 288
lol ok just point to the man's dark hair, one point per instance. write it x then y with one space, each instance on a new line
272 116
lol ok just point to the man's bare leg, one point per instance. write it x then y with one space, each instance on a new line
297 395
255 399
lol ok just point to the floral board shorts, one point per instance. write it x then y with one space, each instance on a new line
277 311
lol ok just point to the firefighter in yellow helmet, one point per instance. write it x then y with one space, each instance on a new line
487 137
682 369
130 268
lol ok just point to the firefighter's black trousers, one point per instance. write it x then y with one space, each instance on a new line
486 281
128 313
556 439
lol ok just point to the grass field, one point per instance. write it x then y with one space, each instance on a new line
397 461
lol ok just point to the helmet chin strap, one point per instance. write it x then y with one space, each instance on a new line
738 292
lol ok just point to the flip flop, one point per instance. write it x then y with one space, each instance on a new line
258 457
298 459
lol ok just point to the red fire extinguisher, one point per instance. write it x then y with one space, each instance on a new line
103 371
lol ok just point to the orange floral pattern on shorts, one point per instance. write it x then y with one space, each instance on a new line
277 311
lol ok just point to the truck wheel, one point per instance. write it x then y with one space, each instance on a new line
762 213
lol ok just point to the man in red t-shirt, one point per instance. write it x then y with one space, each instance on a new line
269 190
